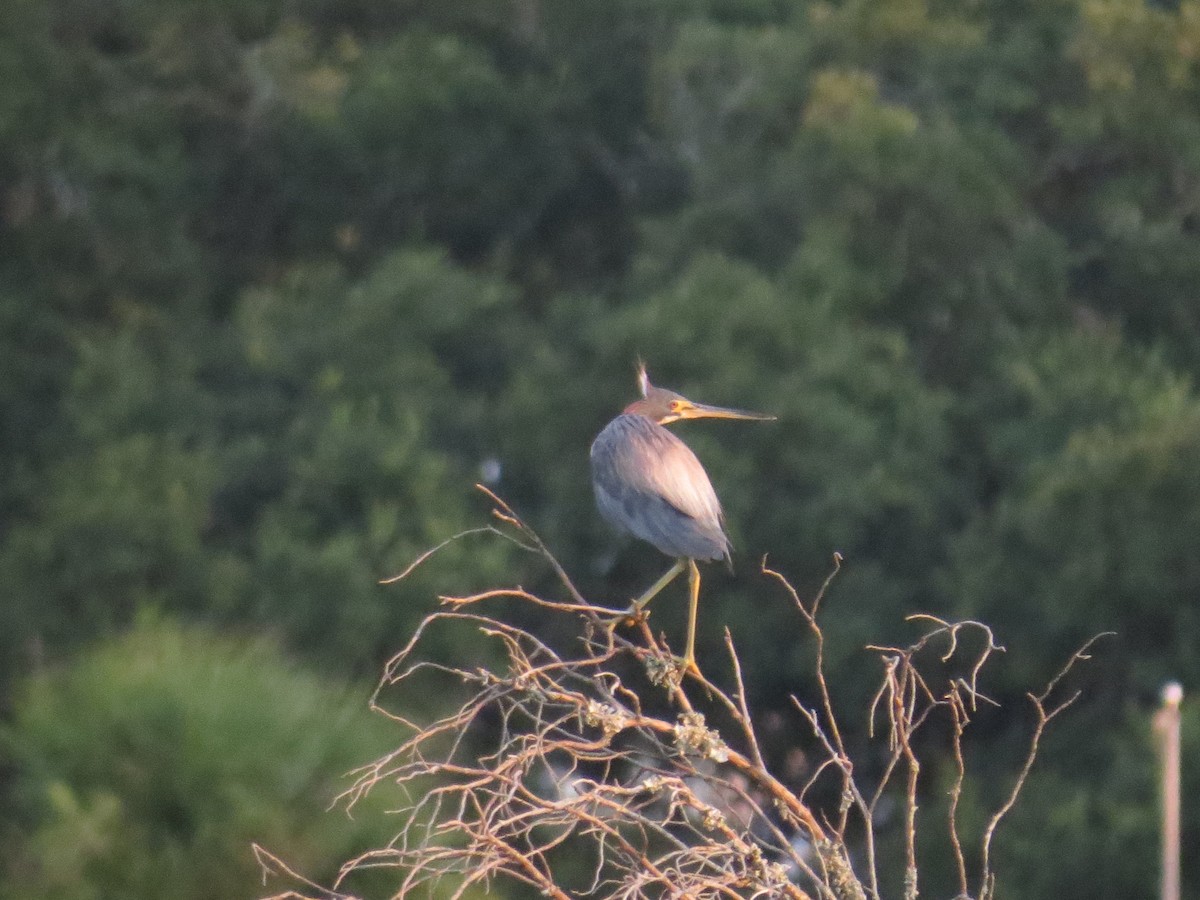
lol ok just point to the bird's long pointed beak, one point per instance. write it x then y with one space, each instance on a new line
704 411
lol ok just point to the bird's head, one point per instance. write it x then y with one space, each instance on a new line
665 407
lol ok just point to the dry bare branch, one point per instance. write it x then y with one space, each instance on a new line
596 767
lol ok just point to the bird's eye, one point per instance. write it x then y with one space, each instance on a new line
676 406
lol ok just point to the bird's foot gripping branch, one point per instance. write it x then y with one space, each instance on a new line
583 763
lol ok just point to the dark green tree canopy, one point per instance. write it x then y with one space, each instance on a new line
280 280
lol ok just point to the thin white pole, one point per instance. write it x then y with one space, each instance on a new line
1166 724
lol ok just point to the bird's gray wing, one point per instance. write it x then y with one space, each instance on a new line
649 483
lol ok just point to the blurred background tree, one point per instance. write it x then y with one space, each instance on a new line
280 280
147 766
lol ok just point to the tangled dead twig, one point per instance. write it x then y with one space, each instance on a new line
556 771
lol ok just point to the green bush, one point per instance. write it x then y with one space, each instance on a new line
147 767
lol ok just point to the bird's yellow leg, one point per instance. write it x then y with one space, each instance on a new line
655 588
689 657
636 607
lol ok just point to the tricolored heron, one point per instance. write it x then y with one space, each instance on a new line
648 482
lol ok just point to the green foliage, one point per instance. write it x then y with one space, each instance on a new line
364 382
279 281
1101 502
148 766
128 518
1105 839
